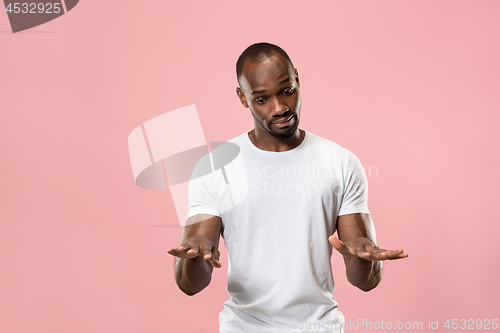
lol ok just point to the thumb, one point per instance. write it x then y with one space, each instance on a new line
336 243
339 246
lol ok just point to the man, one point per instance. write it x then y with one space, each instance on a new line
301 188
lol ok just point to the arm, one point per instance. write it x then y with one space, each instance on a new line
198 253
357 243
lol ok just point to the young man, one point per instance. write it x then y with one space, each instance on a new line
298 190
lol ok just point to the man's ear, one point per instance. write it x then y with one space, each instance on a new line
296 76
242 97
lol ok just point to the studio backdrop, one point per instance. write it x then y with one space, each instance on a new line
411 87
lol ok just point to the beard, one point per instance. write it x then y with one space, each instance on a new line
286 135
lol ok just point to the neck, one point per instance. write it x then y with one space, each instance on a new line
267 142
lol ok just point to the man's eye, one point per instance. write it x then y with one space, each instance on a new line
288 92
260 100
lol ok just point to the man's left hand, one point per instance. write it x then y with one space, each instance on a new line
365 249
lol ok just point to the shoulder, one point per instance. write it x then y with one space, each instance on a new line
219 155
222 151
240 139
333 151
327 146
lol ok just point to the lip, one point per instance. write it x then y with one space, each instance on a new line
284 123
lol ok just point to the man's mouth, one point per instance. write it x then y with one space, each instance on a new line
283 122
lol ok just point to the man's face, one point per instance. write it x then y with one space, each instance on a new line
271 90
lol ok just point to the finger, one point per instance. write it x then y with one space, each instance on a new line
173 252
192 253
366 252
381 254
396 254
375 253
336 243
192 250
371 252
176 251
178 254
403 255
215 258
206 253
341 246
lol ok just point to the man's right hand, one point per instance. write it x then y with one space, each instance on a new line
198 246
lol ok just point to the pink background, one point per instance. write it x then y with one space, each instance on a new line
411 87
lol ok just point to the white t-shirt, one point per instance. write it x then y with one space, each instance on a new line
278 210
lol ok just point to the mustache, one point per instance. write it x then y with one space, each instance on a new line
283 119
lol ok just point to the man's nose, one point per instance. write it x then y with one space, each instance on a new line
279 108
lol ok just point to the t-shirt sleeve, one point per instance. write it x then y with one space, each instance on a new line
202 196
355 195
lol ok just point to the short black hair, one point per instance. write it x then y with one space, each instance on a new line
258 52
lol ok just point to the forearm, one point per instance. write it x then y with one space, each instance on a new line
364 274
192 275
